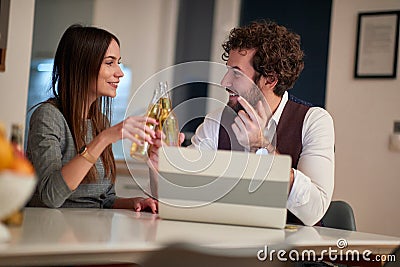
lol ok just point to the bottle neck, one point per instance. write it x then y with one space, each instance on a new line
16 134
165 103
16 139
160 92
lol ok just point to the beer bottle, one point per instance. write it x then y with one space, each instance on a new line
168 121
16 139
140 152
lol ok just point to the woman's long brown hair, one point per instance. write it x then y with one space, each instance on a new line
77 64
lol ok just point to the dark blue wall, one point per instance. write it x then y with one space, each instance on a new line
310 19
193 43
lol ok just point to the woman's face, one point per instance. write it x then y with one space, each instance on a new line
110 72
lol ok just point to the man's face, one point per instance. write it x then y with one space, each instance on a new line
239 79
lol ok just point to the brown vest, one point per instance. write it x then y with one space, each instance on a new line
288 134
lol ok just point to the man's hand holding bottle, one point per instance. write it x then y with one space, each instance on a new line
158 142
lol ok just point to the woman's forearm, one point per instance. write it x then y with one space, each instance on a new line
75 170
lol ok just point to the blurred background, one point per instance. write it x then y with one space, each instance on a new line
156 34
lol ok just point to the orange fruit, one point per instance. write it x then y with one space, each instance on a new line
6 154
22 166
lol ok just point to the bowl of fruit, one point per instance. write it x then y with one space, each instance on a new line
17 181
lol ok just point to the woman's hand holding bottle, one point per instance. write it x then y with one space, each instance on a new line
134 128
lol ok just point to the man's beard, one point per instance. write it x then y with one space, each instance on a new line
253 96
235 106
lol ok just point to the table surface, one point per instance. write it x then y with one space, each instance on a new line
96 235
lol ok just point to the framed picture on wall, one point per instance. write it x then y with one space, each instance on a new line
4 16
377 45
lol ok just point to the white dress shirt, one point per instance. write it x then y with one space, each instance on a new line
314 177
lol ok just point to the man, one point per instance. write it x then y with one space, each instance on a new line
270 56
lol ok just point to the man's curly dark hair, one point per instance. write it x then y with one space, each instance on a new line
278 52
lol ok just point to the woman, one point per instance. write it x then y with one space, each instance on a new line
69 140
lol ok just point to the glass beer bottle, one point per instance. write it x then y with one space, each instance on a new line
16 139
168 121
140 152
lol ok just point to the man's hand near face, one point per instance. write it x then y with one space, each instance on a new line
249 125
249 129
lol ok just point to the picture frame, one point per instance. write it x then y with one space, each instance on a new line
377 45
4 17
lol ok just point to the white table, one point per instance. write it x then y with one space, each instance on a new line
89 236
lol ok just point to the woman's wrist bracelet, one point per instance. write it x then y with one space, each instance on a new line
86 155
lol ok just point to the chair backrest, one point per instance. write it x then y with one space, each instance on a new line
340 216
